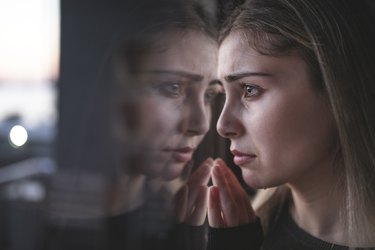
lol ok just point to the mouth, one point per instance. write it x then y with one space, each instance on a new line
241 158
182 155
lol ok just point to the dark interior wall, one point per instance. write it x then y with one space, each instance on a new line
86 149
89 29
85 37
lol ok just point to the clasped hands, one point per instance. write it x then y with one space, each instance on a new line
225 202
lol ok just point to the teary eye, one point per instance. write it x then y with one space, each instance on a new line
171 89
251 90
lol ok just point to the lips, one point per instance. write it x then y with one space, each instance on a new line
183 154
242 158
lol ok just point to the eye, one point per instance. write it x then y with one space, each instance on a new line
171 89
213 92
251 90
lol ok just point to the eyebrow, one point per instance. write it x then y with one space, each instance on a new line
191 76
214 82
239 75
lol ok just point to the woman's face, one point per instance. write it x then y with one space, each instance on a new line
281 130
172 104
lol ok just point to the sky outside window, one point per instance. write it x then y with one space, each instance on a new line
29 58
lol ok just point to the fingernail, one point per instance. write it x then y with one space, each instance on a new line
217 171
206 169
220 161
209 162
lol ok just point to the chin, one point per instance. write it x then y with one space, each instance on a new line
172 171
165 172
254 180
260 182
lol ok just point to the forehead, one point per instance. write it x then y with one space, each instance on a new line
189 51
236 55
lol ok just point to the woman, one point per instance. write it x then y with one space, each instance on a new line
299 112
166 74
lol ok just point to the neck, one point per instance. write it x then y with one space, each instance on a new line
316 204
127 194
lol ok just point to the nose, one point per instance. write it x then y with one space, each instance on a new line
196 119
229 125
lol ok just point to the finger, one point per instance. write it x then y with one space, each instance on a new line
215 218
198 178
234 210
180 204
229 204
239 211
202 174
232 183
228 174
217 180
199 211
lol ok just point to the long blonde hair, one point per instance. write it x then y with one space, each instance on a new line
336 39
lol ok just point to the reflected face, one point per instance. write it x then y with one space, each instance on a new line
173 103
281 130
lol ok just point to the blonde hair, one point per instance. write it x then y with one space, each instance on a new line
336 39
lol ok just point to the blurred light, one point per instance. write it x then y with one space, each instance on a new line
27 168
18 136
27 190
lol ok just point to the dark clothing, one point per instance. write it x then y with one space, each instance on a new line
244 237
149 227
284 235
134 231
287 235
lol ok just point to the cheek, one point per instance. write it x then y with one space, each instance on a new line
172 171
156 120
293 134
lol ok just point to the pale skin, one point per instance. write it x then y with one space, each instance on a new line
231 209
190 200
228 204
172 104
282 132
172 98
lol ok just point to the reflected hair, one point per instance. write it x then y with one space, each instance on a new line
173 16
165 19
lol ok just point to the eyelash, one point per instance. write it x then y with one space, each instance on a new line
209 97
176 90
171 89
251 87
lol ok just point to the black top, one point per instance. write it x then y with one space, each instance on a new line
244 237
149 227
284 235
139 230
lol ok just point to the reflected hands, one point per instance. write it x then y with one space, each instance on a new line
191 199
